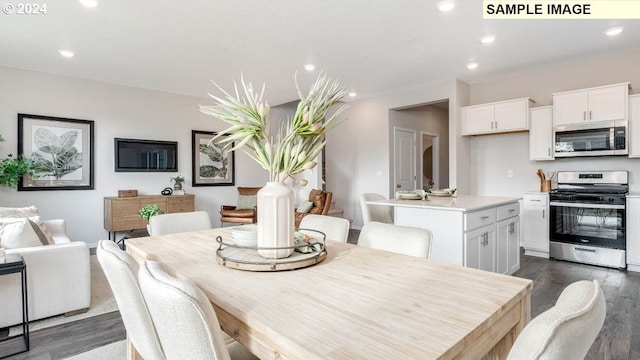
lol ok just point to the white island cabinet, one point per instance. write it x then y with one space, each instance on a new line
474 231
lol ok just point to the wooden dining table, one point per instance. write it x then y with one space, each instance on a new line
358 303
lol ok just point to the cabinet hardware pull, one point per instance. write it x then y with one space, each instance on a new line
543 213
512 210
549 151
584 115
590 115
536 200
484 218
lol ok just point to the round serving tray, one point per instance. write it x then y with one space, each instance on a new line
247 258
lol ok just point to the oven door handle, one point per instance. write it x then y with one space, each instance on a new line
586 205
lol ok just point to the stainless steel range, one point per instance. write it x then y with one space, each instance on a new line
587 222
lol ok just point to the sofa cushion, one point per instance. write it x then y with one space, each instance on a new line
18 233
21 212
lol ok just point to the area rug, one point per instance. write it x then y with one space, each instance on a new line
113 351
102 302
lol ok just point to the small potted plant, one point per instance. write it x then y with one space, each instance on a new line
13 168
177 182
147 212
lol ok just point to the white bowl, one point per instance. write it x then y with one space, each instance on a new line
245 235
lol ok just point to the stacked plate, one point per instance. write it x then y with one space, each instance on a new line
442 192
245 235
409 195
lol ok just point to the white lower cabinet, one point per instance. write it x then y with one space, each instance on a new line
508 246
633 233
535 224
480 248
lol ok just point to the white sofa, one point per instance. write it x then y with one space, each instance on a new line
58 279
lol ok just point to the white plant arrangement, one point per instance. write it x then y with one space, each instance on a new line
298 141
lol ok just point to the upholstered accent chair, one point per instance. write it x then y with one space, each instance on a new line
179 222
568 329
187 326
245 212
121 271
334 228
378 213
319 203
406 240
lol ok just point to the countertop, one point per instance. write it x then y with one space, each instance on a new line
463 203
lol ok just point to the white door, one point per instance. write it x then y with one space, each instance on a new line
404 158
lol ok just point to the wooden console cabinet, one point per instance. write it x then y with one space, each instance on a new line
121 213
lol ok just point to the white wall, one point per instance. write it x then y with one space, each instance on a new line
358 151
118 111
492 156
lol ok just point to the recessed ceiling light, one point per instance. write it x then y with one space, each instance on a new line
487 39
446 5
66 53
89 3
472 65
353 94
309 67
616 30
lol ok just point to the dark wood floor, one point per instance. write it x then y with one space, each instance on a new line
619 338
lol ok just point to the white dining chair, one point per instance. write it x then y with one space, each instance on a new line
179 222
406 240
379 213
334 228
187 326
568 329
121 271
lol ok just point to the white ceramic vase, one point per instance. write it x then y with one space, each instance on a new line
275 220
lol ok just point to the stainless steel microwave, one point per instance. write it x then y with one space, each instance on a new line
591 139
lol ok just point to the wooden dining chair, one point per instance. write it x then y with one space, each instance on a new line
179 222
568 329
406 240
378 213
121 271
184 318
334 228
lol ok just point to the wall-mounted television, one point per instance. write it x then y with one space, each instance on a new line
135 155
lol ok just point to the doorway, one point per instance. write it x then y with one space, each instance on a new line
430 161
429 123
404 155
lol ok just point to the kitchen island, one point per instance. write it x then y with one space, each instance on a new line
475 231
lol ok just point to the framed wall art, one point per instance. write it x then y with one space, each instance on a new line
212 164
62 150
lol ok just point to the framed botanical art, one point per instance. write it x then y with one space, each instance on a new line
62 150
213 165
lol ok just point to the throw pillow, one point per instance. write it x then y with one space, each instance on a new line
22 212
305 206
40 233
247 201
18 234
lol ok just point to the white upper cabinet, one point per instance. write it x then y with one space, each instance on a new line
594 104
503 116
541 133
634 126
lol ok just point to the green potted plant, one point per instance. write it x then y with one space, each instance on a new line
149 211
177 182
13 168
